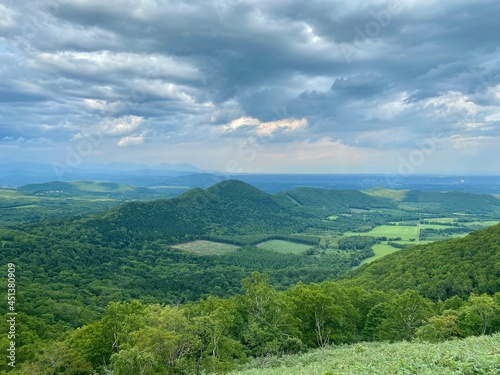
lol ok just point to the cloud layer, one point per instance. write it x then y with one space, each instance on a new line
281 86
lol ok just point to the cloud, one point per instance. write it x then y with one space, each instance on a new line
127 141
266 128
123 125
373 74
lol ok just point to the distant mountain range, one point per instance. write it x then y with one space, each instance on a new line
187 176
22 173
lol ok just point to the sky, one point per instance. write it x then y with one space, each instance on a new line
253 86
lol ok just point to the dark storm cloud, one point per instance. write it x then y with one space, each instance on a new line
355 70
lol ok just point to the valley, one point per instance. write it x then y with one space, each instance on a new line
117 252
229 187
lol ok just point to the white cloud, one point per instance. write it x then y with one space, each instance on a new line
139 72
102 105
390 109
266 128
152 66
453 103
7 17
459 141
128 141
122 125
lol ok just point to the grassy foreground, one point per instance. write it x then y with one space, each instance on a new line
474 355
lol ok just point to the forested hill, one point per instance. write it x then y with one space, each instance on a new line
442 202
227 208
440 269
79 188
340 201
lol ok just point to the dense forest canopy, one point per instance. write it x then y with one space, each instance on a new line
114 291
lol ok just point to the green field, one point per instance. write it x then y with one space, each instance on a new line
435 226
486 223
284 247
474 355
380 250
389 231
442 219
396 195
207 247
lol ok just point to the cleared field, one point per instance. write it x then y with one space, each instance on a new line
442 219
486 223
8 193
380 250
390 231
333 217
421 242
284 247
169 187
207 247
396 195
407 207
435 226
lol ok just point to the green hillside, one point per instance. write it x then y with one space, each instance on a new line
75 188
434 201
55 200
227 208
396 195
451 202
438 270
81 264
109 294
336 201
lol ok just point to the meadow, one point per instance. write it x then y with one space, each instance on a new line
435 226
202 247
485 223
284 247
474 355
380 250
389 231
442 219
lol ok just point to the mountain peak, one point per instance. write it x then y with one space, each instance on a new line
236 189
232 184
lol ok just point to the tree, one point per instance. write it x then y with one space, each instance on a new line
94 344
374 319
326 313
133 361
213 321
404 315
270 327
479 315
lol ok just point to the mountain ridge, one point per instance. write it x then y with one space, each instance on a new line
229 207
